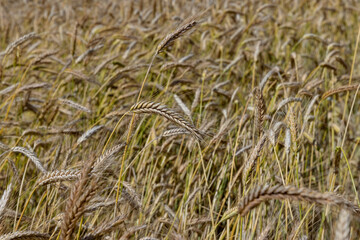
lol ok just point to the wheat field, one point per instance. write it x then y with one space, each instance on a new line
214 119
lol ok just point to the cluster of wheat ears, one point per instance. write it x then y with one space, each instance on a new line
179 119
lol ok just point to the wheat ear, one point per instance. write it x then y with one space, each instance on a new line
342 230
105 159
31 155
20 41
105 228
253 157
58 176
171 37
4 199
157 108
175 132
260 111
88 134
80 195
279 192
24 235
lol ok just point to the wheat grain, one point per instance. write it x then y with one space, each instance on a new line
292 123
196 99
96 206
47 54
132 230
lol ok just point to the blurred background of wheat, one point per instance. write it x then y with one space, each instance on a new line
247 126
